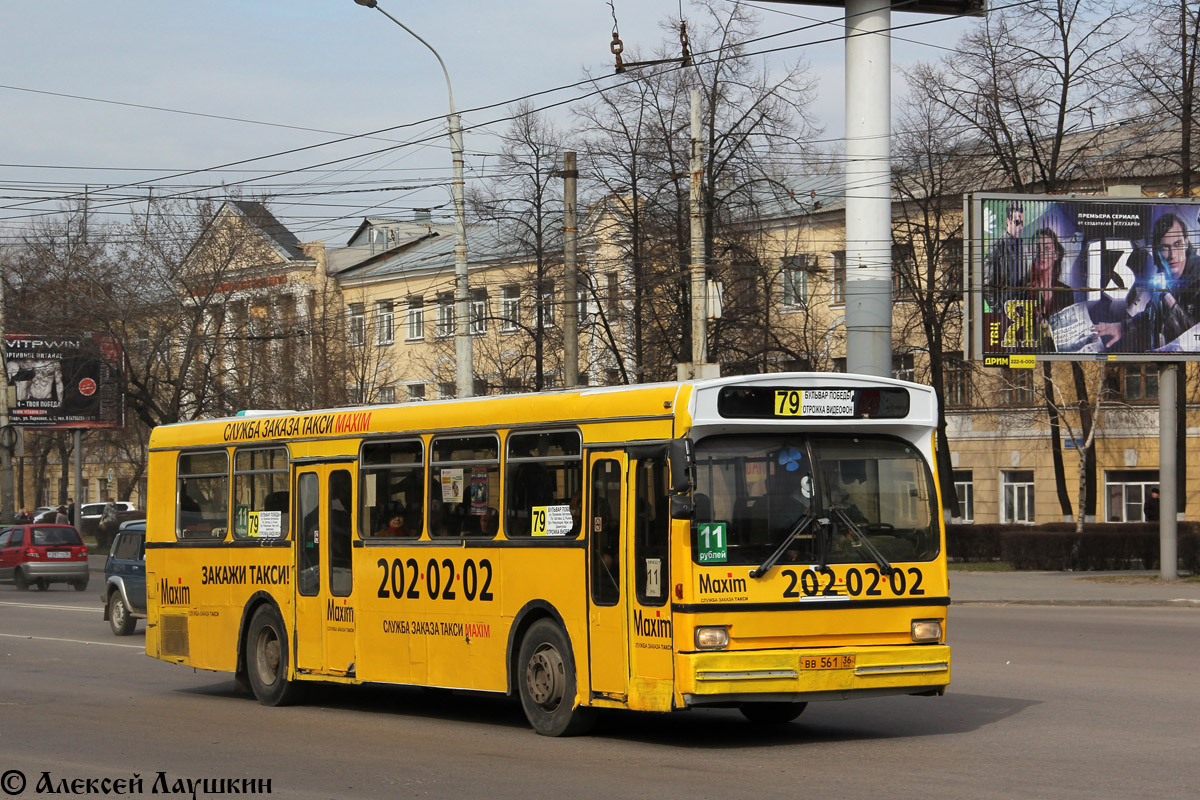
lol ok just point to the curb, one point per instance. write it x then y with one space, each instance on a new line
1165 603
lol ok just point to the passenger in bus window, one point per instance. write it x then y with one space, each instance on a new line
394 528
576 504
489 523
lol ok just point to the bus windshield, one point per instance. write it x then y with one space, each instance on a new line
836 499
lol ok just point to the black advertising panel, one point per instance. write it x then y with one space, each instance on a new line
1083 278
65 381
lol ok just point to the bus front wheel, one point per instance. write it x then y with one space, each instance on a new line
772 713
267 658
546 682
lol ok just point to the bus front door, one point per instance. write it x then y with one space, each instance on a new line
325 615
608 660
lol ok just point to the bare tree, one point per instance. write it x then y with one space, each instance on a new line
638 146
1162 73
525 201
1028 82
929 179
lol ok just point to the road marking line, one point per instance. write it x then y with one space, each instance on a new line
56 608
75 641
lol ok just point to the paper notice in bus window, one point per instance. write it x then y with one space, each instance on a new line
270 524
712 543
452 485
551 520
653 577
479 491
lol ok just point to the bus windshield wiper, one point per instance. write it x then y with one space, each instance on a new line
800 527
884 565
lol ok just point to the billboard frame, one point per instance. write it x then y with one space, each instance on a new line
67 382
1120 254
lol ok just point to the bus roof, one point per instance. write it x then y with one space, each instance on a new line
691 404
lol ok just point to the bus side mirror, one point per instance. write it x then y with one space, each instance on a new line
682 506
679 456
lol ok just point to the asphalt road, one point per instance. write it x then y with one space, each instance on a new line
1046 702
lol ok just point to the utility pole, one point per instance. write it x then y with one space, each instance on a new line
699 271
571 270
1168 502
8 434
868 188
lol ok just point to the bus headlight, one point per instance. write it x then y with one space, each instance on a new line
712 638
926 630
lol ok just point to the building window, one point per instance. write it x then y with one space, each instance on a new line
1018 387
839 277
956 373
952 265
1016 487
510 385
904 266
797 272
446 391
839 364
416 392
1132 382
964 487
510 308
386 394
445 315
903 367
480 387
356 325
1126 491
612 295
385 328
547 304
416 318
479 312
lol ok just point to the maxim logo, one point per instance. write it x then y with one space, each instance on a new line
336 613
169 595
710 585
654 627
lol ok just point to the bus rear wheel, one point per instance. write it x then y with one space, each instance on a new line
267 658
772 713
547 684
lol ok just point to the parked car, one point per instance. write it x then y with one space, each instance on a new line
45 514
39 555
125 579
90 513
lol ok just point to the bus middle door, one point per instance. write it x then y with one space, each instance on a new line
608 658
325 616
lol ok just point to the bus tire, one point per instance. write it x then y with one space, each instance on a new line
267 658
772 713
546 682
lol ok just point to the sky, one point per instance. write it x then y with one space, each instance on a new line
92 94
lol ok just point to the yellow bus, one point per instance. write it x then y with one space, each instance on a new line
752 542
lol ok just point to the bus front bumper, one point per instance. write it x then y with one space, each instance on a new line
798 676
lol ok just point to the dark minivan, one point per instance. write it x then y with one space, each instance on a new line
125 579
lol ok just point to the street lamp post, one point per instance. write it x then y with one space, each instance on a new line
463 375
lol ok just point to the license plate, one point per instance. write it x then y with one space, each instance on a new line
827 662
57 554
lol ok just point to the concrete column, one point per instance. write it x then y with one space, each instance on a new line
868 188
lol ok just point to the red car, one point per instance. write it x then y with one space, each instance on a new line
39 555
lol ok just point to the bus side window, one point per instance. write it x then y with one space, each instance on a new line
203 495
604 531
652 524
341 500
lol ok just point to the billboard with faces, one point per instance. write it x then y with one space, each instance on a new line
1081 278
